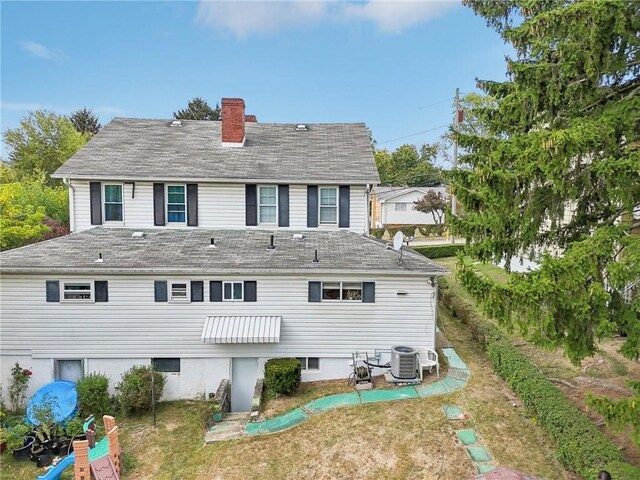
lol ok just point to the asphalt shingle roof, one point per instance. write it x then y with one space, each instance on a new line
188 251
386 193
140 149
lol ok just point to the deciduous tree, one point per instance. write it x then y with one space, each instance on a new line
434 203
556 171
407 166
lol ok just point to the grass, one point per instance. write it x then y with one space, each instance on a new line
396 440
605 374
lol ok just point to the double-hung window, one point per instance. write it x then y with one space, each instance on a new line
176 204
113 203
268 205
179 291
77 291
401 207
328 205
233 291
345 291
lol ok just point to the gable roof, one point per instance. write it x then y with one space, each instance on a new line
386 193
139 149
188 251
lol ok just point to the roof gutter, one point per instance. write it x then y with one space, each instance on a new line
310 181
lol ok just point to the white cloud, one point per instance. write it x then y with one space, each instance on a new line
38 50
243 18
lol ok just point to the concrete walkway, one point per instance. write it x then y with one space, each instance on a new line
456 378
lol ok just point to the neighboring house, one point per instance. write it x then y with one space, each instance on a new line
394 206
207 248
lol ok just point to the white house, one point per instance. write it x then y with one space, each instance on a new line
207 248
394 206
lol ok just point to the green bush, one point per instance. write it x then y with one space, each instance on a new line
409 230
580 445
282 375
392 231
377 232
134 390
439 251
93 395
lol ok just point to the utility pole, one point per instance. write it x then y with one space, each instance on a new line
456 118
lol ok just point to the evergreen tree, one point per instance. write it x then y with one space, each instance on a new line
198 109
85 122
557 170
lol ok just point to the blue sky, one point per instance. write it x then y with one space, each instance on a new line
303 62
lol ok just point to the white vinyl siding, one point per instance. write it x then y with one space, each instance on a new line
219 206
132 325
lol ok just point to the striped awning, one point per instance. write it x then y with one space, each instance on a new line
224 329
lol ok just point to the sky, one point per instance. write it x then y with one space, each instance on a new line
394 65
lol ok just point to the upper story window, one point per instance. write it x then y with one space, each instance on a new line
347 291
77 291
328 205
113 203
267 205
176 204
233 291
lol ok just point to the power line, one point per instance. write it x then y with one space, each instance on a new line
414 134
435 103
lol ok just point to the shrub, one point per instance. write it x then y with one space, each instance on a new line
74 427
377 232
580 445
437 229
409 230
14 436
93 395
392 231
440 251
282 375
134 390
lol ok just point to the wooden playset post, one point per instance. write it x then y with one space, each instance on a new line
81 469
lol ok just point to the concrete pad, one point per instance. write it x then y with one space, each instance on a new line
453 412
479 454
332 401
454 360
224 431
453 384
388 395
436 388
485 468
277 424
467 437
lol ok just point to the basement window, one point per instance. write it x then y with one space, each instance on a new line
168 365
309 363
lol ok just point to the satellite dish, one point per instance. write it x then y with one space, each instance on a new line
398 239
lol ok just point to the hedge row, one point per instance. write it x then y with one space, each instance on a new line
437 230
439 251
580 446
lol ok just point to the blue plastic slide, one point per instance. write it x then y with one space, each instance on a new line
54 472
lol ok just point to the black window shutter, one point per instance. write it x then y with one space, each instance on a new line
215 291
101 290
283 205
312 206
197 291
160 287
344 206
192 204
53 291
251 205
369 292
95 193
250 291
315 291
158 204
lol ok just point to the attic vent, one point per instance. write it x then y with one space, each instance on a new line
301 127
137 235
176 123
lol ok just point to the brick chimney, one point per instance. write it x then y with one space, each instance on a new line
232 122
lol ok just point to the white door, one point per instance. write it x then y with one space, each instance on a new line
244 373
69 370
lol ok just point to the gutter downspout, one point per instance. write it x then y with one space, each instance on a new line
72 195
367 215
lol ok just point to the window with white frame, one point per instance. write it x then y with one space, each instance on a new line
176 204
328 205
233 291
401 207
113 211
309 363
179 291
268 205
345 291
77 291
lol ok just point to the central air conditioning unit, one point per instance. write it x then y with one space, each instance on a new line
404 362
